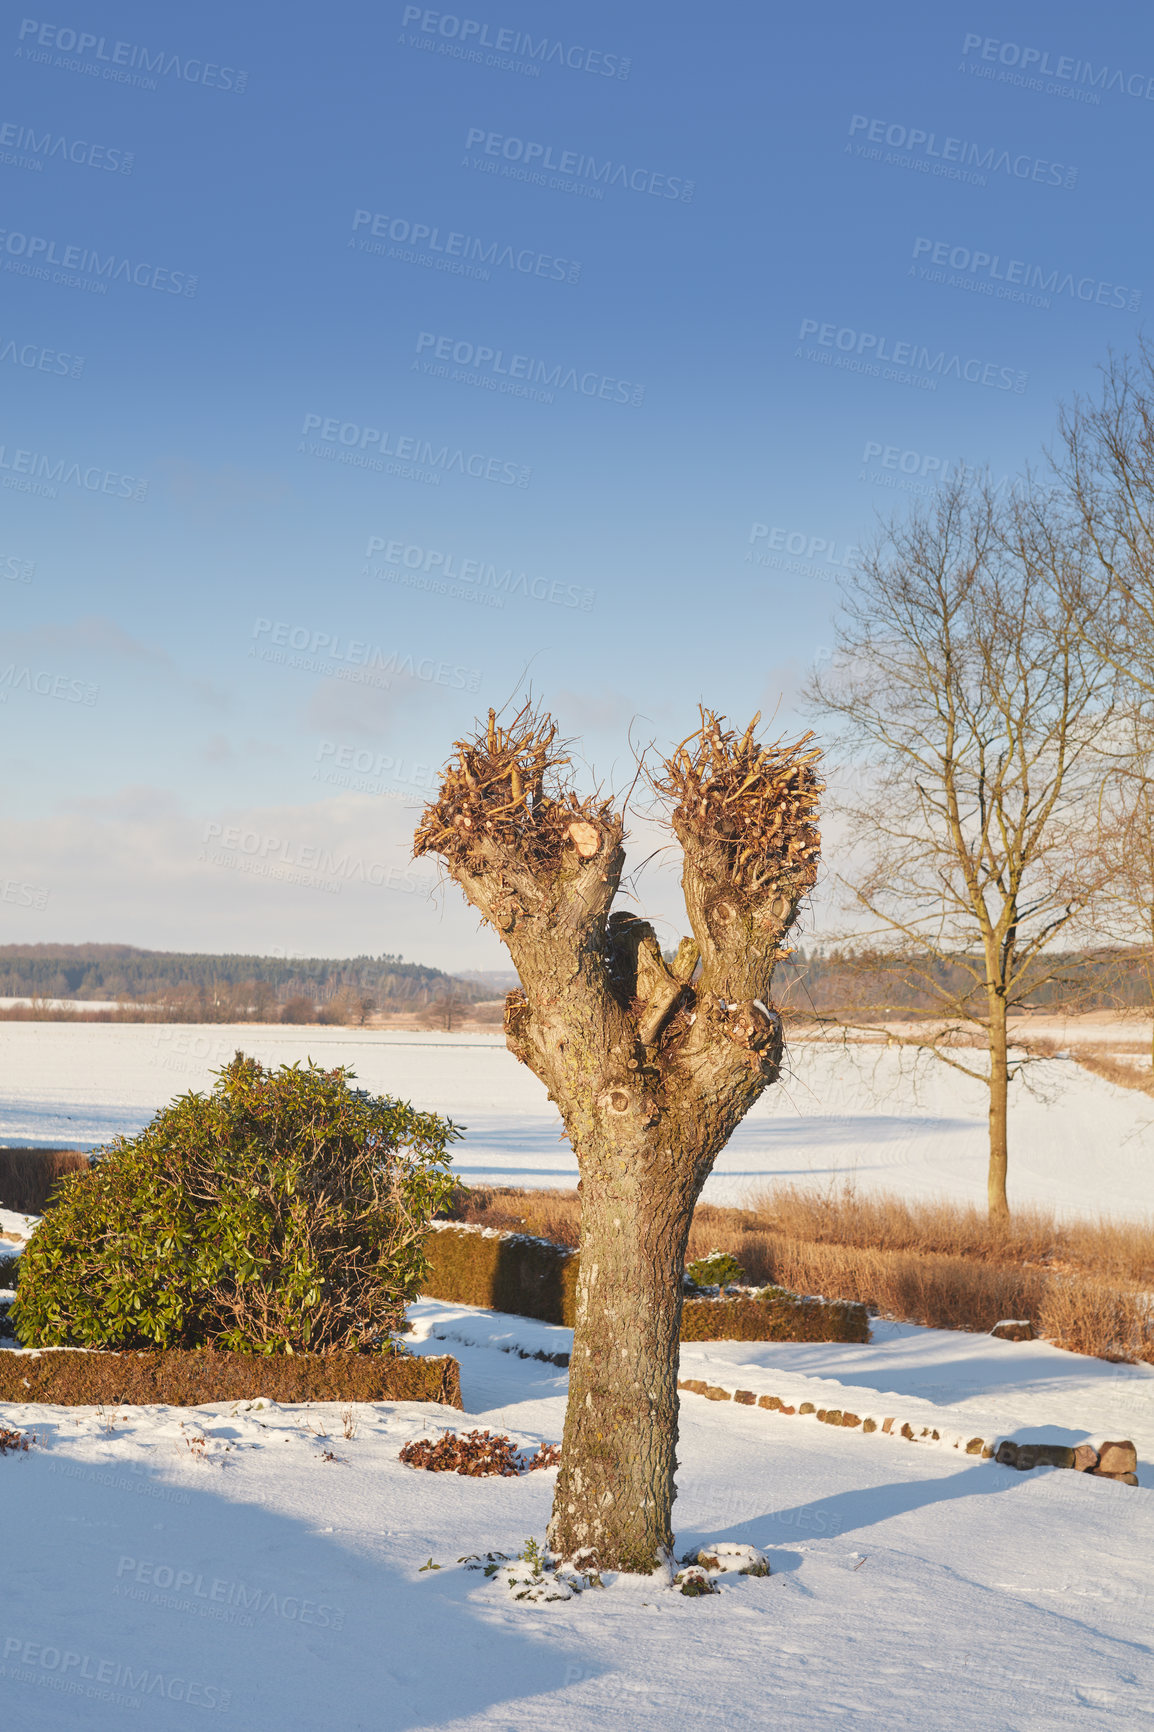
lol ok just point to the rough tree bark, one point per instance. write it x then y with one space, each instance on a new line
651 1066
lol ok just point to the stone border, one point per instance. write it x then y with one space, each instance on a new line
1084 1459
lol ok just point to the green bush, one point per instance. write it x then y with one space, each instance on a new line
284 1212
719 1269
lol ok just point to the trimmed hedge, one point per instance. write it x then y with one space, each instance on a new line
534 1278
27 1176
786 1318
502 1272
186 1378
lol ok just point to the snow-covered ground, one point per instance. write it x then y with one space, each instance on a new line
1079 1144
251 1578
255 1563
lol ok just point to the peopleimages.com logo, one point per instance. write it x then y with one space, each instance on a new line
521 375
468 35
526 153
366 447
1037 63
443 573
326 647
41 147
1017 279
955 158
34 472
870 348
43 684
806 549
449 250
307 865
120 61
30 255
37 358
124 1683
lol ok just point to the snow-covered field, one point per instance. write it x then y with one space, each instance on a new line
1080 1144
254 1565
158 1582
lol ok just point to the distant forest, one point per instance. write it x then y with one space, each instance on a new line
208 987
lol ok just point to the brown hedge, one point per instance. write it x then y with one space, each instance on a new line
503 1272
533 1278
790 1318
185 1378
28 1175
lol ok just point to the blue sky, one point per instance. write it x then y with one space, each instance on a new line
425 352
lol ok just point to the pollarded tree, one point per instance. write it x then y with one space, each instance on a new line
651 1066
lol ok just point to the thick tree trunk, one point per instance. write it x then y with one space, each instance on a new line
652 1065
999 1208
615 1490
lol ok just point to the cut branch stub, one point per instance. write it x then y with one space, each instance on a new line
586 838
753 1026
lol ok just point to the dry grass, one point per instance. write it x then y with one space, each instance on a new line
1091 1317
1116 1070
841 1215
1084 1284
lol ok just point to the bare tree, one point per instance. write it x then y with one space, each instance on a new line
969 706
446 1007
1105 468
1125 904
651 1065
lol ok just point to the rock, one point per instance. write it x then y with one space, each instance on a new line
694 1383
869 1424
806 1407
772 1402
745 1396
908 1433
975 1446
887 1424
1085 1457
1121 1478
829 1415
1118 1458
1014 1330
1052 1455
1024 1456
730 1557
712 1392
850 1419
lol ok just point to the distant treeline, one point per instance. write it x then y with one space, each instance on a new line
873 984
215 987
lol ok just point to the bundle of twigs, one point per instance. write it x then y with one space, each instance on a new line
506 788
747 812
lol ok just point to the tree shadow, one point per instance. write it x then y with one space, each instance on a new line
847 1511
128 1576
